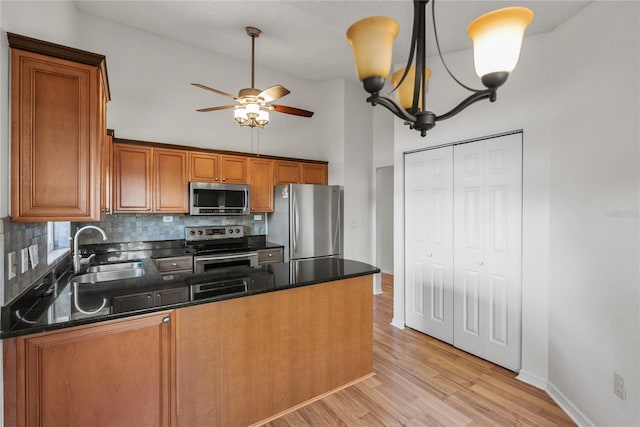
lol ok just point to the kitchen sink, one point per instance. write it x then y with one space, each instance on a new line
129 265
105 276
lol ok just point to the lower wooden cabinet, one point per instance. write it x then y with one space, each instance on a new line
117 373
229 363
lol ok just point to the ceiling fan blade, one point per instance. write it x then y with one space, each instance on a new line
274 92
222 107
219 92
292 110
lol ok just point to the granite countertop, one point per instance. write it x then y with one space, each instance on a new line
57 302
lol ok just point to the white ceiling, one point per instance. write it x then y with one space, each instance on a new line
307 37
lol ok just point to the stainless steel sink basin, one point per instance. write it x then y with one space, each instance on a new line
129 265
105 276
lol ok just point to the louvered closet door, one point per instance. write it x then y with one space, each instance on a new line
487 255
429 242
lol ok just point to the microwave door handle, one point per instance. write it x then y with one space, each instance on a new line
246 199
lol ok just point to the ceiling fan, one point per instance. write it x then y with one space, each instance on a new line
253 105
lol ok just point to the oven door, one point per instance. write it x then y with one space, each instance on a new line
205 263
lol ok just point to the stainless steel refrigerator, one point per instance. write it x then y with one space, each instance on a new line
307 220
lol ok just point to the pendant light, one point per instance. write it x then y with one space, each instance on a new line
497 38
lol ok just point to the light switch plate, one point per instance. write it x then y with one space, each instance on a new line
33 255
13 266
24 259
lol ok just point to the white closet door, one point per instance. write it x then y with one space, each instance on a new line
487 241
429 242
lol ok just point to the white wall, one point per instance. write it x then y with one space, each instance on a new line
594 225
522 103
358 176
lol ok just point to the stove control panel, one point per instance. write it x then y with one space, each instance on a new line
197 234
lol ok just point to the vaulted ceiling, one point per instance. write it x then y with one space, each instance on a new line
307 37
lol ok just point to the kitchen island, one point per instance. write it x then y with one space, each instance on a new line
282 337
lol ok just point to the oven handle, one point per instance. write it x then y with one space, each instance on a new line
223 257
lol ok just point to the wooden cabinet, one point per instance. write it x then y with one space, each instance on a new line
203 167
287 172
314 173
114 373
290 172
174 264
58 104
261 181
233 169
224 168
171 182
148 179
132 178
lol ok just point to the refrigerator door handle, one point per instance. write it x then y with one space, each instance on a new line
336 232
246 199
296 230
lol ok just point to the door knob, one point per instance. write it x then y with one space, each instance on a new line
480 262
430 255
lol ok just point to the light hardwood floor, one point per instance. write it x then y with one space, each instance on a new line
420 381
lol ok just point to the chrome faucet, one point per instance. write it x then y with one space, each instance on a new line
78 261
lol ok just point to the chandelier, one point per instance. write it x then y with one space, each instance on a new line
252 112
497 38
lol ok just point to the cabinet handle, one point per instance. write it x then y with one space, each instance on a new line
105 210
147 209
224 179
166 319
270 254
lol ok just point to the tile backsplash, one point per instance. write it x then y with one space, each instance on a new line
17 236
119 228
148 227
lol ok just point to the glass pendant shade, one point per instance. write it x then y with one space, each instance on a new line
252 109
263 117
497 38
240 115
404 92
372 42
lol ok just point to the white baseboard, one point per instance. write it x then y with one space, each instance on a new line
532 379
567 406
397 323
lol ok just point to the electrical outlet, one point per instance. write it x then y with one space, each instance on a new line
618 386
13 266
257 217
24 259
167 219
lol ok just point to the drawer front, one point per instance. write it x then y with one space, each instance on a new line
266 256
175 263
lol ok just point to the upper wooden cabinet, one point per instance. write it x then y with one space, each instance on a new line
150 179
203 167
58 125
314 173
171 182
292 172
132 168
287 172
261 181
233 169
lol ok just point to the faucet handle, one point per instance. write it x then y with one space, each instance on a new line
86 260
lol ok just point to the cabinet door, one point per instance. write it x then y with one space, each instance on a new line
109 374
287 172
133 167
233 169
170 178
198 371
261 180
203 167
55 139
314 173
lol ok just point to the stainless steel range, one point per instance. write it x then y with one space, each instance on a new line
218 247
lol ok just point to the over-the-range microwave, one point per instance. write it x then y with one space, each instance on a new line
206 198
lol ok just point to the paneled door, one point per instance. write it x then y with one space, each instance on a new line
487 217
429 242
